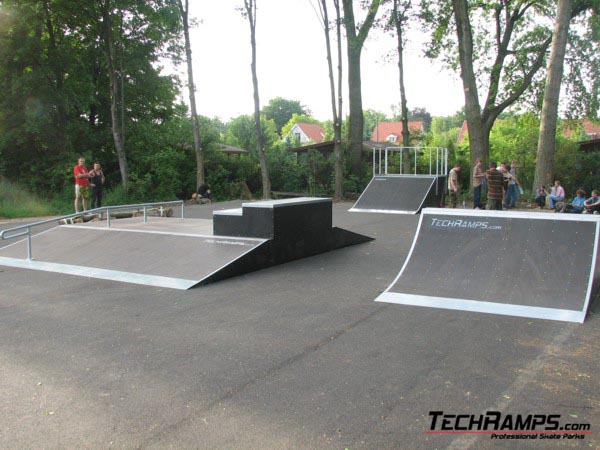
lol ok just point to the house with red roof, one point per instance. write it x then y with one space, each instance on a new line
392 131
307 132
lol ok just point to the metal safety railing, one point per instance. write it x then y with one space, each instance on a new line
439 166
25 230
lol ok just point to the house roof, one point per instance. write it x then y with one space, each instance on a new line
590 128
231 150
385 129
313 131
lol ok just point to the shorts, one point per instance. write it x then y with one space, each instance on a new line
81 191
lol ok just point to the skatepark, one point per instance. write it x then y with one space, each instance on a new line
297 355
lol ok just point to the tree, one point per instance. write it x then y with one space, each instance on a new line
56 96
355 39
421 114
399 18
545 149
249 12
198 151
370 120
281 111
582 77
505 61
336 108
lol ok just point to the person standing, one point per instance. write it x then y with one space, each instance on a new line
495 181
557 196
82 185
510 200
453 187
478 177
97 183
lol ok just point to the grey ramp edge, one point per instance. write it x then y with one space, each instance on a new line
521 264
155 259
395 194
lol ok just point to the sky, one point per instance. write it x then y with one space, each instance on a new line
291 63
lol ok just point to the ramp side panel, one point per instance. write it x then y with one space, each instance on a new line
395 194
174 256
514 262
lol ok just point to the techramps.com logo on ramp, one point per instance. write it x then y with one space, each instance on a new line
504 426
463 223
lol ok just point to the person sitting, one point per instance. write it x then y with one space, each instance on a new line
540 196
592 204
577 206
203 195
558 195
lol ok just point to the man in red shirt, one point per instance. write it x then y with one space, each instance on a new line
82 185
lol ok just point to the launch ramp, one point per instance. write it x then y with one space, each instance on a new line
519 264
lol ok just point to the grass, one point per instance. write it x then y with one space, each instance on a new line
16 202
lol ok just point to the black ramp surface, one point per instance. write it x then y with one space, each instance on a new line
144 257
533 265
395 194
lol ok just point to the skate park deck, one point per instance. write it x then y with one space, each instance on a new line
294 356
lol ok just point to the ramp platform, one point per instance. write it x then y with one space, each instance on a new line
183 253
519 264
401 194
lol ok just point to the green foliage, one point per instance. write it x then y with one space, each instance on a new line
17 202
371 118
280 111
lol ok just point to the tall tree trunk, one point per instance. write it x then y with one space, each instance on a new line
337 123
477 141
546 143
113 90
337 127
61 111
250 10
199 151
399 19
354 46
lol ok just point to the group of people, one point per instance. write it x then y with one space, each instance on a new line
94 179
501 182
86 179
502 185
579 204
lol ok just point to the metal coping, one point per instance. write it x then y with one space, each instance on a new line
285 202
103 274
168 233
491 307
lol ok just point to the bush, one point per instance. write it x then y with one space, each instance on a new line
16 202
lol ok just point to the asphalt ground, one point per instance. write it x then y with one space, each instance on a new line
295 356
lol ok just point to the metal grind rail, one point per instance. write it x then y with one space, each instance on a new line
25 230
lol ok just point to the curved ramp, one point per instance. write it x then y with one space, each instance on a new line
519 264
400 194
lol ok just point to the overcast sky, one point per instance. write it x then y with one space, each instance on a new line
291 62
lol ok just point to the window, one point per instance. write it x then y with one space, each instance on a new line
391 138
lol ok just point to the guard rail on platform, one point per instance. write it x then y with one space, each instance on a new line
25 230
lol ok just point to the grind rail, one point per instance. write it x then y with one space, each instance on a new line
25 230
